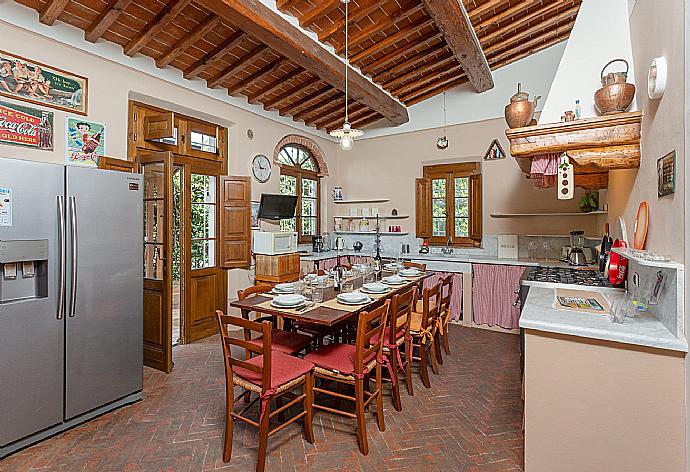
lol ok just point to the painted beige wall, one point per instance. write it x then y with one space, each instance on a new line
656 32
602 406
110 87
387 166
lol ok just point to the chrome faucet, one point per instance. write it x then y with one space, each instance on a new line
448 249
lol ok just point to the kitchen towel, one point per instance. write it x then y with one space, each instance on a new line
544 170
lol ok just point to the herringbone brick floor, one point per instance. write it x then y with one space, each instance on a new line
469 420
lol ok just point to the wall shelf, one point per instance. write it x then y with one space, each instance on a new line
382 233
381 217
633 255
360 200
528 215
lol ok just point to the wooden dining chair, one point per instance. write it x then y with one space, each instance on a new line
271 374
416 265
396 334
444 317
351 364
423 331
285 341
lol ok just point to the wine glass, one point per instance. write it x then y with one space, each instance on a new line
377 269
546 247
532 250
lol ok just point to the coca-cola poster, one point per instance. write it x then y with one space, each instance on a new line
85 142
25 126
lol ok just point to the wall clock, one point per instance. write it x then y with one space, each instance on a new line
261 168
656 78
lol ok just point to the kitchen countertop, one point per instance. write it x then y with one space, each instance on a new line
539 314
462 258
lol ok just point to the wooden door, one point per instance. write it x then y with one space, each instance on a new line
113 163
236 233
205 288
157 168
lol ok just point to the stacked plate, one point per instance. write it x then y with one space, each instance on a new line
394 280
284 288
391 267
375 287
288 301
353 298
409 272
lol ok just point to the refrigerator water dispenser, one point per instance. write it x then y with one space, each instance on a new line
23 270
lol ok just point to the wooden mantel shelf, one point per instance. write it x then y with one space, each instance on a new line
594 145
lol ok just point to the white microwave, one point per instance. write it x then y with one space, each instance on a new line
271 243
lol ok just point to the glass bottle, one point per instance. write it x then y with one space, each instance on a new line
578 110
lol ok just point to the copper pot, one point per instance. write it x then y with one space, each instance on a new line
520 111
615 94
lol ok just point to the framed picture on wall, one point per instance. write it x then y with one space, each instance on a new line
34 82
255 214
26 126
495 152
666 174
85 142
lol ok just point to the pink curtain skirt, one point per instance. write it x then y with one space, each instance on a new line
493 294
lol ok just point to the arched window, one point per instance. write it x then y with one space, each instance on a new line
299 175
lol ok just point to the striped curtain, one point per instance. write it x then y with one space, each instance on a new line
493 294
455 297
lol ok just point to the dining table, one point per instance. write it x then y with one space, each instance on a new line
330 311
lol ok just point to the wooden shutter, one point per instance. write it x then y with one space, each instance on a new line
159 126
235 222
112 163
423 208
476 208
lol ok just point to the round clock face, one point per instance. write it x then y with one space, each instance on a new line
261 168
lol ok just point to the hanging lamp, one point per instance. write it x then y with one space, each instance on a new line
442 142
347 134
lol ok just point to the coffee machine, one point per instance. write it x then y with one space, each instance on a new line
576 256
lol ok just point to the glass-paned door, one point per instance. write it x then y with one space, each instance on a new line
462 207
203 221
157 169
309 206
438 207
288 186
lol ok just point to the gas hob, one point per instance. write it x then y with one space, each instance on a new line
551 276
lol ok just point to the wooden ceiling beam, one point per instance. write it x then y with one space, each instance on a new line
292 93
485 8
382 63
511 27
428 92
355 114
162 19
287 40
105 19
333 103
451 18
188 40
423 81
52 10
272 87
327 6
515 55
238 66
504 15
394 38
539 28
214 56
413 61
376 28
561 31
430 66
259 75
366 120
355 15
306 101
336 110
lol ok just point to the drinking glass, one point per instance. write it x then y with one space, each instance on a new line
347 286
532 250
317 294
617 311
377 269
546 248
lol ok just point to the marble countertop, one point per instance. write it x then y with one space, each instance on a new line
539 314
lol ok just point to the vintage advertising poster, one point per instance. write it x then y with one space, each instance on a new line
31 81
25 126
85 142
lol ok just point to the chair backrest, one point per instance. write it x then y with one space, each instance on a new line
370 324
446 291
254 289
265 349
431 299
399 315
416 265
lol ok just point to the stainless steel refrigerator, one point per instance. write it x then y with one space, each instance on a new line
71 297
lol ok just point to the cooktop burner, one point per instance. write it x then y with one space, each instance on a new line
566 275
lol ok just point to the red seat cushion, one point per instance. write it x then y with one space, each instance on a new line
386 335
284 369
337 357
285 341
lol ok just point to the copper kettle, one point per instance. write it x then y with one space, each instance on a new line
520 111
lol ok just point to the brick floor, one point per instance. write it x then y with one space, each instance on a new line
468 421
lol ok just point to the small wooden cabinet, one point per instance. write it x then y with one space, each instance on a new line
278 268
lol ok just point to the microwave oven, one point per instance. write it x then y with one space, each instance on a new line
272 243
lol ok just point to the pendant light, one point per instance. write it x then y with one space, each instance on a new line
346 134
442 142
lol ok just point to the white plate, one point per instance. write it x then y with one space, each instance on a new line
362 302
278 305
285 287
393 280
375 287
282 292
364 290
352 297
288 300
409 273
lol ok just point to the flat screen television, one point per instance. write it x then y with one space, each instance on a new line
276 207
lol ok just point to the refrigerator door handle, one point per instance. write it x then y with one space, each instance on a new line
62 268
75 245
